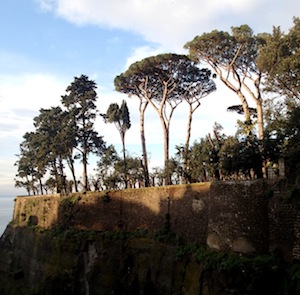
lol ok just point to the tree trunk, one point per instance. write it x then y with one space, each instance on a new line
143 142
187 145
41 186
260 125
85 177
166 150
58 187
260 119
62 176
244 105
124 158
71 165
236 89
32 186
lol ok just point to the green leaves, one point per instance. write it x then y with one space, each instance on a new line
58 133
279 60
168 74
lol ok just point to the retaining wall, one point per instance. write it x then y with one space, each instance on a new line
240 216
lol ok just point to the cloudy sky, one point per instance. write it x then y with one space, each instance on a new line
44 44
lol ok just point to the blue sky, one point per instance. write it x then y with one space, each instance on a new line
46 43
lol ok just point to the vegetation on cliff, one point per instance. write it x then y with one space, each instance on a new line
83 262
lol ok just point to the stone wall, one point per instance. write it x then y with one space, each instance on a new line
145 208
239 216
37 210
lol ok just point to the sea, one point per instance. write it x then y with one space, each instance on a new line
6 212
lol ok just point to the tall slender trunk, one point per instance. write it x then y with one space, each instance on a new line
62 177
166 151
260 125
187 145
124 158
142 109
260 122
58 186
85 176
34 190
256 97
244 105
41 186
72 168
260 119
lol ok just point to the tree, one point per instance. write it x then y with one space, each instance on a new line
282 139
291 149
31 165
163 81
279 61
134 170
121 118
276 113
58 139
128 83
105 168
230 158
46 149
200 168
233 57
198 84
157 176
80 102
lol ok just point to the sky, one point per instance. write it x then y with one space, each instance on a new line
44 44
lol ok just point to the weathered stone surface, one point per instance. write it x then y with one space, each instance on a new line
244 216
83 263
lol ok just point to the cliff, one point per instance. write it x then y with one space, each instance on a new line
145 242
76 262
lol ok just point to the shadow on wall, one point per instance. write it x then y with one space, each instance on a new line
33 220
184 207
239 216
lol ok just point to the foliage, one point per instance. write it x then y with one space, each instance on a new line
67 205
199 161
105 168
294 275
57 134
80 102
224 157
56 142
30 169
164 81
229 157
282 136
106 198
120 116
292 146
233 59
279 60
110 171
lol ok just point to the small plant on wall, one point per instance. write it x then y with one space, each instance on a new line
106 198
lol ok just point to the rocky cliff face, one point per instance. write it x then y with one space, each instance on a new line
82 262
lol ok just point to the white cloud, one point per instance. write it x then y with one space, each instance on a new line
46 5
172 22
22 96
